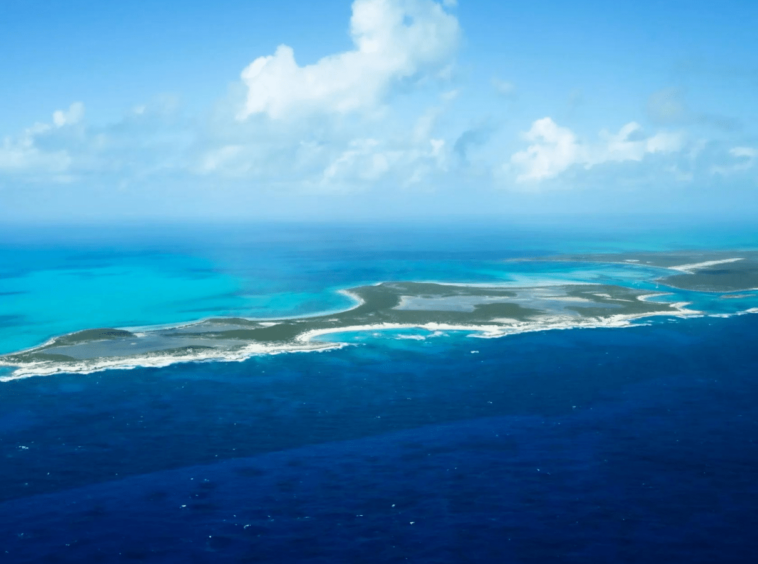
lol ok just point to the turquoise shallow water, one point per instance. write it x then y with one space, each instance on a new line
44 300
56 281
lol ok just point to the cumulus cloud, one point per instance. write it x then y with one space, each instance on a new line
555 149
394 40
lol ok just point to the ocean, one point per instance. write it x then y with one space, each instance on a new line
579 445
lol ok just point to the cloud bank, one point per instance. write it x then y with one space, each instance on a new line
384 116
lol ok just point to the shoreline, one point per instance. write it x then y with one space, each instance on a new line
358 302
304 343
482 309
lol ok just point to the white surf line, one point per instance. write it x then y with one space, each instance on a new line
308 336
143 330
688 268
303 342
548 323
90 366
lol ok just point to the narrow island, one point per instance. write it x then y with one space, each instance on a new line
482 310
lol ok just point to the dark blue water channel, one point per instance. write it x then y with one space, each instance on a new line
619 445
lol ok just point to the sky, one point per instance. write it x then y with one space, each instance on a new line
376 109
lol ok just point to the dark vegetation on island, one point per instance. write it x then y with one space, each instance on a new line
390 303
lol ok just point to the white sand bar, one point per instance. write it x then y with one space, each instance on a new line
688 268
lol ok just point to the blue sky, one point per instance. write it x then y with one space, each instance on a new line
376 108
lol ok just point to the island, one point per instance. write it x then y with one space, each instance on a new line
700 271
486 311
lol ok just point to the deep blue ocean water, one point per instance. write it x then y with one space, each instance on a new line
593 445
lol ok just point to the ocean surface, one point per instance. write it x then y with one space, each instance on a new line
586 445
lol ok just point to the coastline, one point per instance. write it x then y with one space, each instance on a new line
484 310
305 342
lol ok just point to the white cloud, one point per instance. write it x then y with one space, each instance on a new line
747 157
73 115
23 154
66 149
555 149
394 40
362 160
629 145
370 160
